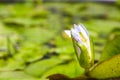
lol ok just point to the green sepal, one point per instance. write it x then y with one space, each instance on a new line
86 59
92 51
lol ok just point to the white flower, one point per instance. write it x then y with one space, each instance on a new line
80 35
82 45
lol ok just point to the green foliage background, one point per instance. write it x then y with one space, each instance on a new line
32 40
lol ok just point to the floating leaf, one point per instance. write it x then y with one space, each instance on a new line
26 52
38 35
38 68
71 70
13 64
108 69
112 47
14 74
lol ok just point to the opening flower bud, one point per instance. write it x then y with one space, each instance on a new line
82 45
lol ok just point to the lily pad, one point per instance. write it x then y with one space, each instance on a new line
108 69
112 46
38 35
71 70
14 74
38 68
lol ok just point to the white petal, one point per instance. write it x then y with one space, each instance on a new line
84 32
76 28
76 35
79 51
85 35
68 32
84 29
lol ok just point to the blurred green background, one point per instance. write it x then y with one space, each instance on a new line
33 44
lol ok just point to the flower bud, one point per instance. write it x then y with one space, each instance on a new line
82 45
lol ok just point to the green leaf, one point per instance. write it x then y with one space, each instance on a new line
112 46
10 47
26 52
13 64
36 35
21 79
37 69
14 74
70 69
108 69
